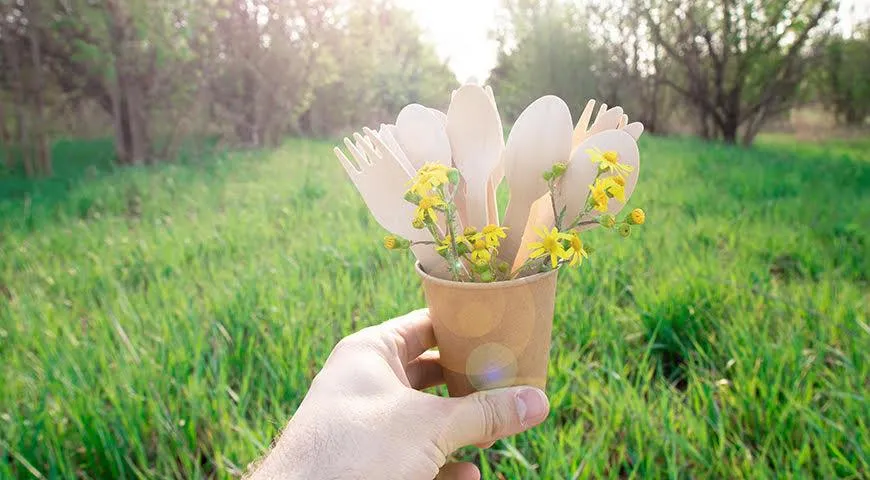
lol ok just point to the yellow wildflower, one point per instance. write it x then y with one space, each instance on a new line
491 234
429 177
608 161
616 187
637 217
481 254
550 244
576 252
599 197
426 208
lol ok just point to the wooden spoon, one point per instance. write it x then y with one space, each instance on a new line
498 171
441 116
422 136
540 138
573 187
476 142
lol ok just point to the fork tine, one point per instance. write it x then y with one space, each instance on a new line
369 148
623 121
378 141
348 166
586 116
634 129
601 111
582 124
360 158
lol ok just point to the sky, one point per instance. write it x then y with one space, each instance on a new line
460 30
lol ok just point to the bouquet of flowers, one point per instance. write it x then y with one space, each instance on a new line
430 180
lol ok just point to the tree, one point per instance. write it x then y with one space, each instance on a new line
545 48
627 62
845 76
740 62
379 64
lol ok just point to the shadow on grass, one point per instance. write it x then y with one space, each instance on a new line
683 327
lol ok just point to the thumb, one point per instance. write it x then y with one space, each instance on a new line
487 416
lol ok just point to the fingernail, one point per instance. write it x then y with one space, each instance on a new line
532 406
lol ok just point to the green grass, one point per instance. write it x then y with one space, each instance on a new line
165 322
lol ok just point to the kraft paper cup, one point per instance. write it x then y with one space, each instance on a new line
492 335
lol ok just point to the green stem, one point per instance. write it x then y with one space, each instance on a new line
454 262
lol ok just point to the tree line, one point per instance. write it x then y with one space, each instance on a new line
157 73
247 71
728 66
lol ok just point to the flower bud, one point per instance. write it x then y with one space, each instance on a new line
637 217
470 231
548 175
392 242
418 223
607 221
559 169
412 197
453 176
486 276
624 230
462 248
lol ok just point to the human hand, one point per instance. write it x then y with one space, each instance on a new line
365 418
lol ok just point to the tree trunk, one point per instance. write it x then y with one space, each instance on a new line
729 128
17 81
704 129
753 126
5 137
246 129
41 150
5 133
121 127
729 134
137 124
128 106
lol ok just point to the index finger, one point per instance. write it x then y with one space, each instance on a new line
412 334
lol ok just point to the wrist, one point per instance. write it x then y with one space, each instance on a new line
293 457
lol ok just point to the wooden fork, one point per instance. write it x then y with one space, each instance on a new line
382 182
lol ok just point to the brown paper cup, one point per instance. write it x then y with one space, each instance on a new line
492 335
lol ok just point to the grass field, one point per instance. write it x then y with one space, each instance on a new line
165 322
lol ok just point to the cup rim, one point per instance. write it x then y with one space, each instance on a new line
482 286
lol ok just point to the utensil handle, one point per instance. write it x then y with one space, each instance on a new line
491 203
475 205
515 219
540 214
428 257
